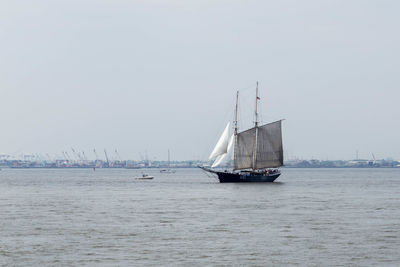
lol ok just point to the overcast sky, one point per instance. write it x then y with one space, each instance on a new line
145 76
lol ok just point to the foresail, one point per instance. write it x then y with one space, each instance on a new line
222 145
244 149
219 160
269 146
226 156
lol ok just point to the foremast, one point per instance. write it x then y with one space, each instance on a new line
254 152
236 127
254 157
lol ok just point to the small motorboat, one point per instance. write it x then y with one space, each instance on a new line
167 171
144 177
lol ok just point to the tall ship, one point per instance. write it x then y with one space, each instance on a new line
257 152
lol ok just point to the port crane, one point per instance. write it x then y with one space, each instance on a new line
373 156
95 153
78 157
66 156
108 162
84 156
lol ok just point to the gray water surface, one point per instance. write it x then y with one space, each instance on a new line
309 217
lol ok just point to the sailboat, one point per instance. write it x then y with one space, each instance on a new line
257 152
168 170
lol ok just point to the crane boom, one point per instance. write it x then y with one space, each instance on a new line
95 153
105 153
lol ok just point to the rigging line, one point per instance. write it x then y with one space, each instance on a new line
211 175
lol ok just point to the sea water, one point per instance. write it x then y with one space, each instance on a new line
308 217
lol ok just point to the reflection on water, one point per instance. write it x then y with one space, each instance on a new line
308 217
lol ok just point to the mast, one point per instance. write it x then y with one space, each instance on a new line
256 131
236 128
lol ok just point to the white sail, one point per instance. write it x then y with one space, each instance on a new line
219 160
222 145
224 157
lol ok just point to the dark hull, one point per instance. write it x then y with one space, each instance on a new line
244 177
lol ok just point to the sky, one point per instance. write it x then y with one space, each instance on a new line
143 77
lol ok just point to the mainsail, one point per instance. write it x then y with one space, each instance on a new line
269 152
222 145
269 146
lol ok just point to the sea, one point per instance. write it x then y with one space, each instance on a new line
308 217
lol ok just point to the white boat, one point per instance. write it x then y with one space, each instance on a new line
167 171
144 177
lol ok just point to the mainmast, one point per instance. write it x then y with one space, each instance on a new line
256 131
236 128
256 112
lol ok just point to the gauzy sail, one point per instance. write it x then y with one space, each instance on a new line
269 146
269 152
254 151
224 157
222 145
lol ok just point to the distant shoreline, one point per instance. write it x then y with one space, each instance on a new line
194 167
